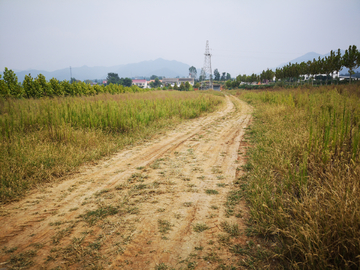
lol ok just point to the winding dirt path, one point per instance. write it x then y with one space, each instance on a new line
160 205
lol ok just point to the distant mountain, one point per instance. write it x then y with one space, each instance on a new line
79 73
311 55
306 57
160 67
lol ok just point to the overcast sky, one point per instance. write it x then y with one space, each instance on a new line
245 36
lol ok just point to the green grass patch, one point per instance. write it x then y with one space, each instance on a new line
44 139
164 226
92 217
200 227
231 229
211 191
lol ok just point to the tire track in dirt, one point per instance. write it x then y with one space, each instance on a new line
160 191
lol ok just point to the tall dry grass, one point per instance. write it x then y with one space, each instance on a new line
44 139
303 184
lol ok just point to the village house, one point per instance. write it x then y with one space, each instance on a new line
140 83
178 81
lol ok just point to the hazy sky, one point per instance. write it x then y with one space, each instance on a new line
245 36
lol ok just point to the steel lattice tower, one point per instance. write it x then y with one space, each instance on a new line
207 64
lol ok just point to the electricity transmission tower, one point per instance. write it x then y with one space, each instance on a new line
207 64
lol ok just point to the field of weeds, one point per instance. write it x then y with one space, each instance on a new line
303 181
43 139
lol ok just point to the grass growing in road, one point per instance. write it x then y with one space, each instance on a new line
44 139
211 191
164 226
200 227
303 175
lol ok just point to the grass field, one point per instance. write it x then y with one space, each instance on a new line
44 139
303 180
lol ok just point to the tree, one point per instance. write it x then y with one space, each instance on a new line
155 83
45 86
263 76
55 85
29 87
303 69
153 77
228 76
269 74
253 78
350 59
279 74
234 84
187 86
4 91
193 72
314 69
113 78
338 63
331 62
11 81
223 76
216 75
126 82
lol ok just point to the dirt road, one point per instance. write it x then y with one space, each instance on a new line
158 205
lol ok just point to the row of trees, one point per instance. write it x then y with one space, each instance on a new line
327 65
217 75
114 78
38 87
244 78
293 71
225 76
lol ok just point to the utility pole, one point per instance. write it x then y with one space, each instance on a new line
207 64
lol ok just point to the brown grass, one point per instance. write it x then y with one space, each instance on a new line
304 175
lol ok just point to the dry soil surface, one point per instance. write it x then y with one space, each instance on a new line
158 205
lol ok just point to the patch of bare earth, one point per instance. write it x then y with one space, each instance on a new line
157 205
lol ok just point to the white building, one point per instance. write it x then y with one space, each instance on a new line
140 83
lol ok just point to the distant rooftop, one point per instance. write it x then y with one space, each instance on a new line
138 81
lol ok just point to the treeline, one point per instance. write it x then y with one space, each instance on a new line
294 71
265 75
38 87
327 65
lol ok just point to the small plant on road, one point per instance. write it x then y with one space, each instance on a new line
200 227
